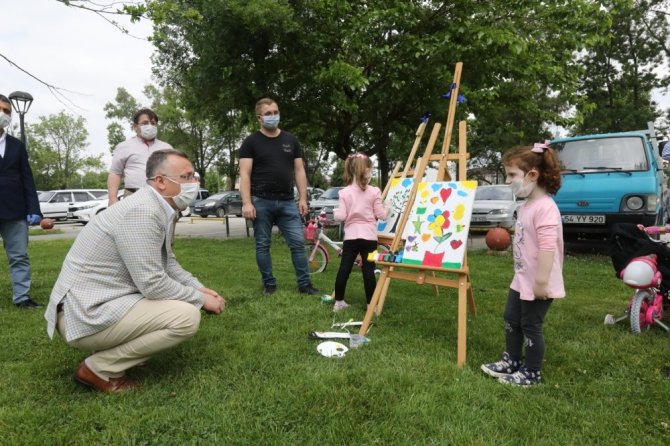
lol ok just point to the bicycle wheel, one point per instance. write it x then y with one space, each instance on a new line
638 310
317 258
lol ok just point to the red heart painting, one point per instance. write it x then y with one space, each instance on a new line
455 244
444 194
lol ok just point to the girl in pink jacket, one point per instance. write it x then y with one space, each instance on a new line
360 206
534 174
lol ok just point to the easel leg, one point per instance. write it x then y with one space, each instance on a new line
471 298
383 279
462 319
382 298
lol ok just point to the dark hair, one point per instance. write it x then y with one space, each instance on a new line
158 158
145 111
263 101
545 163
355 169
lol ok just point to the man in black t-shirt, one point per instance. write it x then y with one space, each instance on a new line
270 160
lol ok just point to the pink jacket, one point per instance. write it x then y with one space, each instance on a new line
538 227
360 209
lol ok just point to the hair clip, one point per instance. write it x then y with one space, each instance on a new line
540 147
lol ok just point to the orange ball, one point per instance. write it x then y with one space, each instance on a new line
47 223
498 239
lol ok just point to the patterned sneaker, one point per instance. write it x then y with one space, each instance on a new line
523 378
340 305
505 367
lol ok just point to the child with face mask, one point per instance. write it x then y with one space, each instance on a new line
360 206
533 173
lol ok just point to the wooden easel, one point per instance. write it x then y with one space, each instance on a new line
417 273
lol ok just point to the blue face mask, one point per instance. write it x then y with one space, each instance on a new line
271 122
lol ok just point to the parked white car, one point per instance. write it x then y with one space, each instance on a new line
85 211
494 206
55 203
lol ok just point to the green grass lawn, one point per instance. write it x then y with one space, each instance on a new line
252 377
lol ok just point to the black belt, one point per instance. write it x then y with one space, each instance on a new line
131 189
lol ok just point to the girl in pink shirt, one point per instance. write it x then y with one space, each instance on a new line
533 173
360 206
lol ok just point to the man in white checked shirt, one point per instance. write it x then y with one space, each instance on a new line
121 292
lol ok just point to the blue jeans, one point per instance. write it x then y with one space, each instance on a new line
15 240
283 213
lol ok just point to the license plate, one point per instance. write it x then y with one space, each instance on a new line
197 209
475 218
584 219
70 215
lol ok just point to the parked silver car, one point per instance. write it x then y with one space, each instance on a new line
327 201
494 206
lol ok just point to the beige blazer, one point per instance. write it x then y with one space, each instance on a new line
123 255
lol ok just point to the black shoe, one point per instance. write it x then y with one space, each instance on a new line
309 289
269 290
28 303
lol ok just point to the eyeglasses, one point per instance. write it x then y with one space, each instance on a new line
185 177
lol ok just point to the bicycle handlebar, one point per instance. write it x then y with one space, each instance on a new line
653 230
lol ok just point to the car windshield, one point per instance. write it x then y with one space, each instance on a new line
331 194
44 197
603 154
216 197
494 193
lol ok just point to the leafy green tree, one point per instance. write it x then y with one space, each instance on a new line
624 67
121 113
58 151
358 74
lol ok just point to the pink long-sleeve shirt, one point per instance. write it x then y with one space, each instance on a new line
359 210
538 228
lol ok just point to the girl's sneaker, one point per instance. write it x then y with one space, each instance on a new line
523 378
505 367
340 305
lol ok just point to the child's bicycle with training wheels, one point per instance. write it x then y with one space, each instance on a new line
645 273
316 241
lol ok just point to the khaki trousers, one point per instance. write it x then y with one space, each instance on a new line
148 328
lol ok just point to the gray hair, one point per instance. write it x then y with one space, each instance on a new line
158 158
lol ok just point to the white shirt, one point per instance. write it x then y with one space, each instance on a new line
3 143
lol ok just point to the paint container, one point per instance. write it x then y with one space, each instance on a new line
327 299
356 340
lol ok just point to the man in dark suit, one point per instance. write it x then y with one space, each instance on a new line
20 207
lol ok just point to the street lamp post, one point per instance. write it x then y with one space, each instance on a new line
21 101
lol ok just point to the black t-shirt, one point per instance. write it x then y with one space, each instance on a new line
272 171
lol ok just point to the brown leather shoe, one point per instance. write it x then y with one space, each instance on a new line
86 377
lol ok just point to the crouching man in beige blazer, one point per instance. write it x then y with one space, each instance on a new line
121 293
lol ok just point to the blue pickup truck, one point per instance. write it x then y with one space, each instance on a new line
610 178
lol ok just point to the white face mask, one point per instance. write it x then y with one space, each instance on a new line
271 122
148 132
5 120
189 192
522 189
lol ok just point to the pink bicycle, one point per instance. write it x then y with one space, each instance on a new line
643 273
316 241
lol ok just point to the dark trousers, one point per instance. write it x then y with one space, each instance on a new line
524 319
351 249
